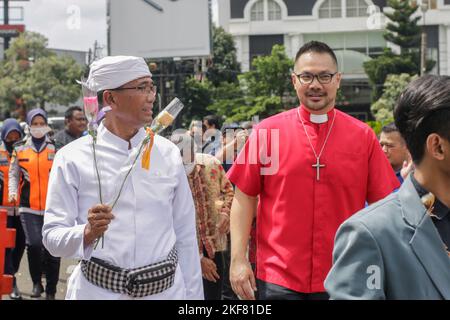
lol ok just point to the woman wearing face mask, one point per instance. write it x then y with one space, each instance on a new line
11 133
29 170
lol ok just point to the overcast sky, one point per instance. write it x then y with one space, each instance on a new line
58 21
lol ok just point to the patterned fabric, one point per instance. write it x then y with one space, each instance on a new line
137 283
205 228
213 195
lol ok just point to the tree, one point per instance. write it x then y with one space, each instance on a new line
393 87
225 67
196 97
227 100
52 79
402 30
265 90
223 72
388 63
34 75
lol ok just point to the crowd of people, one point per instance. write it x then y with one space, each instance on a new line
308 204
26 164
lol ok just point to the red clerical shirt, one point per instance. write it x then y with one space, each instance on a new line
299 215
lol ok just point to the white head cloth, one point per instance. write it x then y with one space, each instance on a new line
113 72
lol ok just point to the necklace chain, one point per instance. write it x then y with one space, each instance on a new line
309 139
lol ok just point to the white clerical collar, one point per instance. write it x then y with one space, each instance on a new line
318 118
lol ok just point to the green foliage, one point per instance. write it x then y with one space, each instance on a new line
30 45
340 97
35 75
376 126
403 31
270 75
225 67
265 90
393 87
217 91
197 97
52 79
378 70
228 100
9 92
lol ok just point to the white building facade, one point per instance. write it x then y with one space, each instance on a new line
353 28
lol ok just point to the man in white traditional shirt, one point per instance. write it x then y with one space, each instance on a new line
150 245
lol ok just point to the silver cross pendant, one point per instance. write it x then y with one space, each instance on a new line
317 165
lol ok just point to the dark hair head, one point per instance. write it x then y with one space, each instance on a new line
212 120
69 112
423 109
230 126
100 98
391 127
316 47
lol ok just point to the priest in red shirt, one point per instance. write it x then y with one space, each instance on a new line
312 168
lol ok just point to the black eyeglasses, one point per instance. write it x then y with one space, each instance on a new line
308 78
143 89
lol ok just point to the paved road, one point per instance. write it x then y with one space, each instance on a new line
26 285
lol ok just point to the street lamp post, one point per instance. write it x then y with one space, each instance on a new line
423 51
6 22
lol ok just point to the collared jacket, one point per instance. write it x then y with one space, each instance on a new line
390 250
29 171
62 138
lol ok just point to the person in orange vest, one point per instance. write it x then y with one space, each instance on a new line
29 171
11 133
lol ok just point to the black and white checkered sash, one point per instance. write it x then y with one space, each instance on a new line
137 283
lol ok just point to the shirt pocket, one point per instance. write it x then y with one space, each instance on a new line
158 189
348 169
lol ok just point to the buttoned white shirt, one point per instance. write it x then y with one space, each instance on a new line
154 212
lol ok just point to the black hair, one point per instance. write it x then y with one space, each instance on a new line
69 112
212 120
230 126
317 47
391 127
100 98
422 109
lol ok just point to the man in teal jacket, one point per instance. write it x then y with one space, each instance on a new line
398 247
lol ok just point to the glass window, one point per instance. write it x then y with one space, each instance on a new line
432 4
357 8
349 46
257 11
274 10
331 9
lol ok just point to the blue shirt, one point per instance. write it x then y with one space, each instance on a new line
399 176
440 214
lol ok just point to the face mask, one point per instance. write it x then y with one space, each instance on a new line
189 168
39 132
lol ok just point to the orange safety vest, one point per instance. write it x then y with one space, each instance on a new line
36 166
4 169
